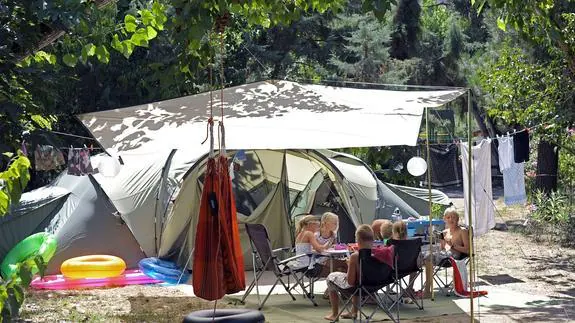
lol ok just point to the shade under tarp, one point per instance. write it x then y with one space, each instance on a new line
271 115
418 198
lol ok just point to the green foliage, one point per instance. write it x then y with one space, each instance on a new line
137 31
195 19
522 91
13 181
551 208
12 289
365 53
567 168
547 22
437 210
406 29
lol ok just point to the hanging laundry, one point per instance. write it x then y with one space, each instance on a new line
79 162
48 158
482 209
521 146
24 149
444 166
513 173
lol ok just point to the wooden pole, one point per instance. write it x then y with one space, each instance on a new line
469 204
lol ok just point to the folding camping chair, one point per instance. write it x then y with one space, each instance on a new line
374 276
445 283
406 254
266 259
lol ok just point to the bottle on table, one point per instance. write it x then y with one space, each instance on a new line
396 216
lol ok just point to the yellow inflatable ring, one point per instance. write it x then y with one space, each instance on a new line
93 266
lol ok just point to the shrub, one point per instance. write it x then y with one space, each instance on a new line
552 208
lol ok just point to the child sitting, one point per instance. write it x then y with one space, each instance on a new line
306 241
344 283
386 230
399 231
328 232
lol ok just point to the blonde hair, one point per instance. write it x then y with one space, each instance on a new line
451 211
386 229
326 217
303 222
400 230
376 227
364 233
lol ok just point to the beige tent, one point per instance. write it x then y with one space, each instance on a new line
272 187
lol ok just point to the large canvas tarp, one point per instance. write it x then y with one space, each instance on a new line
271 115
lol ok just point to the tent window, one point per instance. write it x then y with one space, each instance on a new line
247 200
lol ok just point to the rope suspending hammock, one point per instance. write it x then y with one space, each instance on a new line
218 267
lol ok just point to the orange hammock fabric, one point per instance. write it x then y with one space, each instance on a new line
218 267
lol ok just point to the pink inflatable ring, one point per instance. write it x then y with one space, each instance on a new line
59 282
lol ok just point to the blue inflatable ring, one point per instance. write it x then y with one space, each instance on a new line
163 270
225 316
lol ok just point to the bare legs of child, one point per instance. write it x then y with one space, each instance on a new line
334 301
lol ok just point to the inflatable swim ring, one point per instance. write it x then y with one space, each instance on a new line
163 270
93 266
58 282
41 243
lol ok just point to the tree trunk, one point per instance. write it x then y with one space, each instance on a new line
547 166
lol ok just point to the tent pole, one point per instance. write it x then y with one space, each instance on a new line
469 206
429 195
159 194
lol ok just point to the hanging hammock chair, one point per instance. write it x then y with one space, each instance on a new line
218 267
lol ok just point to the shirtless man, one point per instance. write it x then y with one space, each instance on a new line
454 243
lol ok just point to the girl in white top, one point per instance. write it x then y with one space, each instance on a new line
328 232
327 228
306 241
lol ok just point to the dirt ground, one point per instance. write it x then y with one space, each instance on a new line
505 258
145 303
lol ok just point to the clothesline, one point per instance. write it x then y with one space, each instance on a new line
68 134
89 148
514 132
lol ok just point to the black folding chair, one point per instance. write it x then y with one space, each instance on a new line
266 259
374 276
406 254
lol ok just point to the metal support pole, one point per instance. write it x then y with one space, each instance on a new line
430 203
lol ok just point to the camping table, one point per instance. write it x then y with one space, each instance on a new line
334 253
